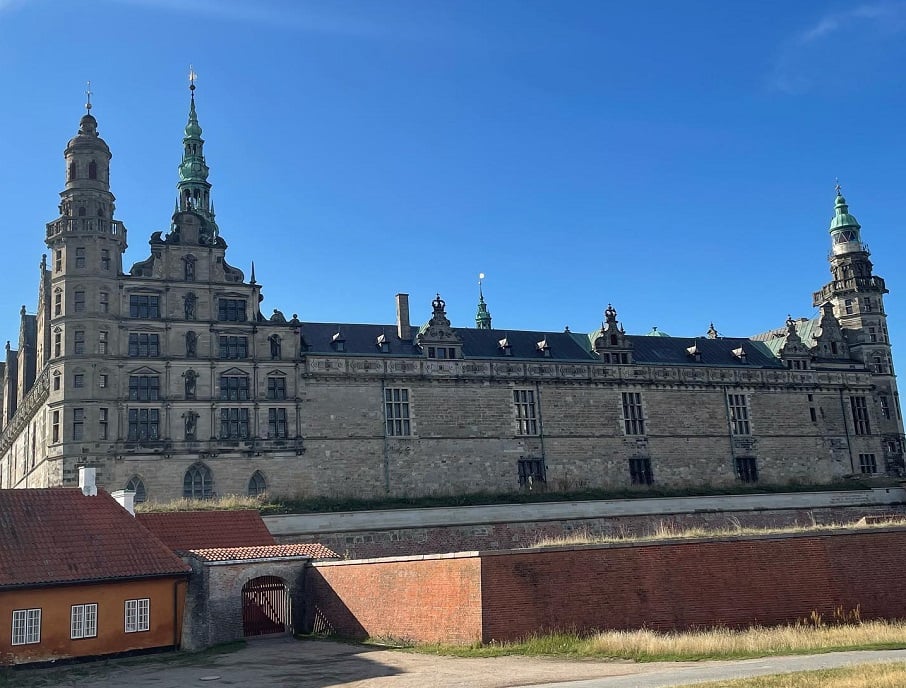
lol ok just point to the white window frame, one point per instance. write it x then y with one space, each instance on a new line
83 621
26 627
397 412
138 615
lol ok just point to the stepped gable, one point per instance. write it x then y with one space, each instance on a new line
59 535
188 530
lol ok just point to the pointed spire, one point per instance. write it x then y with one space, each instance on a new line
483 317
252 280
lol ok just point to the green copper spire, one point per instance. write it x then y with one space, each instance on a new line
844 228
483 317
194 188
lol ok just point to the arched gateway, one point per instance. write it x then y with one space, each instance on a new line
265 606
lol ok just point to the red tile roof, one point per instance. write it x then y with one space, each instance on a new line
315 551
58 535
185 530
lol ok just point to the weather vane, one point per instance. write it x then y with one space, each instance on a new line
192 77
838 188
88 93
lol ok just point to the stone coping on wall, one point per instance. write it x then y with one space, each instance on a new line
660 542
393 519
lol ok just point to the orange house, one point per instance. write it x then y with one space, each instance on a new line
79 576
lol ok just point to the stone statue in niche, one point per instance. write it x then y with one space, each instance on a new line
191 425
190 376
191 345
275 346
190 306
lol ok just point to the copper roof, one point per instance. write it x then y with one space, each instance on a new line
315 551
189 530
58 535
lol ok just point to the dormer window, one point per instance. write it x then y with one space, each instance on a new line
505 348
338 342
543 348
694 353
441 352
382 344
740 354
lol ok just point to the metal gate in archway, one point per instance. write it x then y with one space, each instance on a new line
265 606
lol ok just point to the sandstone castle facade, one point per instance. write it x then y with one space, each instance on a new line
168 379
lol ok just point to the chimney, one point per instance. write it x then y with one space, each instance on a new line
126 498
403 330
86 481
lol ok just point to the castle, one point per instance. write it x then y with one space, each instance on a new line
169 380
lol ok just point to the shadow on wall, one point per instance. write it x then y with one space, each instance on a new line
325 613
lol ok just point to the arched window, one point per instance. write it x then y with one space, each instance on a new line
92 170
257 485
198 482
137 485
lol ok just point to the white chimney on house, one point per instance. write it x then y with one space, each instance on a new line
126 498
87 476
403 330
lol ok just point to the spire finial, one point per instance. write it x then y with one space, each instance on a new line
192 77
480 278
837 187
88 95
252 281
483 317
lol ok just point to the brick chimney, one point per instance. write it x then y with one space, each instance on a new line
403 330
87 481
126 498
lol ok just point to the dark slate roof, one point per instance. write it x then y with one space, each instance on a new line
523 344
360 339
58 535
714 352
188 530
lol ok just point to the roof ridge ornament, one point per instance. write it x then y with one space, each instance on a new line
88 97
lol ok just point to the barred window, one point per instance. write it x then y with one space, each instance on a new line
640 471
276 387
234 387
747 469
633 422
138 615
531 471
234 423
526 413
144 345
198 482
234 347
861 425
396 412
231 309
868 463
26 626
144 387
83 621
276 423
144 306
144 424
739 414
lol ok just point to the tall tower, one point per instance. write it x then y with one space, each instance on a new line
483 316
857 296
194 188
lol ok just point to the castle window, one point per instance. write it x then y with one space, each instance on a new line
530 471
276 346
739 414
633 420
232 310
26 626
640 471
144 424
234 423
105 259
80 257
58 260
234 387
747 469
83 620
848 306
526 413
104 302
144 345
144 306
56 380
872 334
885 406
813 414
78 380
834 349
866 304
92 170
78 340
102 380
276 423
103 414
102 342
868 463
82 211
138 615
72 170
234 347
79 304
191 344
861 425
57 342
396 412
198 482
144 387
58 301
257 485
137 485
78 424
276 387
55 426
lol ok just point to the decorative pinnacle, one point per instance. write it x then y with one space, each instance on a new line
88 102
480 278
838 188
192 77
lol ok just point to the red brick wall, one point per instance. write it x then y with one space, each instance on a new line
681 585
428 600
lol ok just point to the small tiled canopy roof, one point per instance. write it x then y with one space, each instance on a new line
58 535
315 551
188 530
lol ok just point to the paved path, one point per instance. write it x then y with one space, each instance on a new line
287 663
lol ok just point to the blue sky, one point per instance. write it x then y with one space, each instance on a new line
676 159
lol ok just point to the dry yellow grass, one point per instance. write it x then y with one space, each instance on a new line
859 676
669 531
230 502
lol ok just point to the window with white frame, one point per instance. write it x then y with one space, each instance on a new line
26 626
396 410
633 421
138 615
84 621
739 414
526 412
